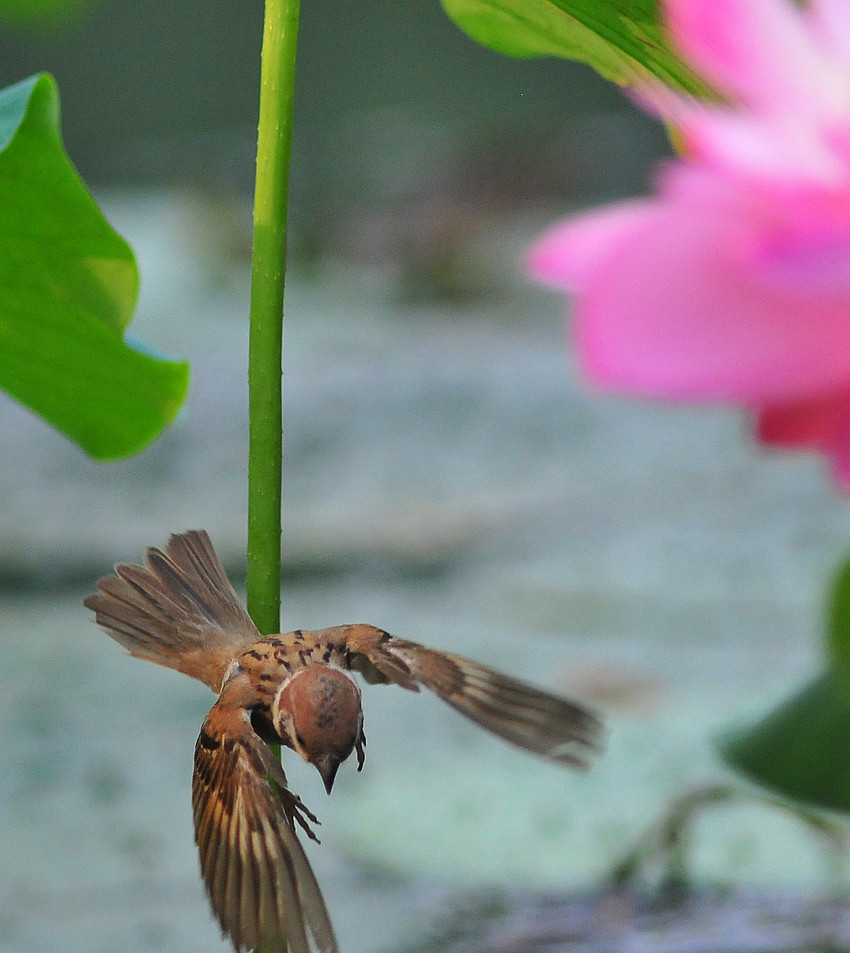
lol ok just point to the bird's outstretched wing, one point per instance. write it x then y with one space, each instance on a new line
178 610
532 719
259 881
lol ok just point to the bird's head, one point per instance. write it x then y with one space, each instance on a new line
317 713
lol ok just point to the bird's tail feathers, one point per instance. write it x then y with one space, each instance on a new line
178 610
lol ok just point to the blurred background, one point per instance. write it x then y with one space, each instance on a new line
447 477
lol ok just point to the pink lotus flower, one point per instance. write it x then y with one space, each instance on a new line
732 282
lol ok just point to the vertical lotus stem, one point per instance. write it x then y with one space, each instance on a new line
268 270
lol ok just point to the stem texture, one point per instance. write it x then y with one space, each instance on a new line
268 271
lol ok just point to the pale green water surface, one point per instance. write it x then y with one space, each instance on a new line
449 479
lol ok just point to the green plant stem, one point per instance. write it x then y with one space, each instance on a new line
268 270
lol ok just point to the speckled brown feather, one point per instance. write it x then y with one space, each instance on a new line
521 714
259 881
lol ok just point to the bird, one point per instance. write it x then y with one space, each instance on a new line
295 690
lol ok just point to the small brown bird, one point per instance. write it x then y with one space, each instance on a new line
180 610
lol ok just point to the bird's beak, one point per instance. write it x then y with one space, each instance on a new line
327 766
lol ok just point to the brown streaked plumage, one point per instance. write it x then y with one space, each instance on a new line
296 690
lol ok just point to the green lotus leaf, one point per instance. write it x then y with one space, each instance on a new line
68 287
800 749
621 39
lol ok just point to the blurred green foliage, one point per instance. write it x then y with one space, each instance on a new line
800 749
623 40
39 12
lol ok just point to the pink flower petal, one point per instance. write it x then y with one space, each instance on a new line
811 264
811 424
565 255
733 283
820 424
829 21
770 152
758 51
840 458
675 310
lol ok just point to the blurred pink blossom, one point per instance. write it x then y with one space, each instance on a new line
732 282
